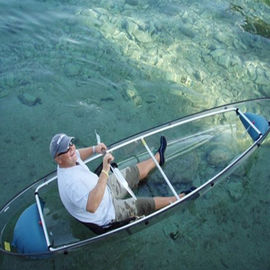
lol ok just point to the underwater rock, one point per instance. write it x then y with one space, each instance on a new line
151 99
160 188
174 235
261 76
217 53
137 32
142 36
29 100
3 93
187 32
91 17
129 27
240 170
236 61
80 112
186 80
10 79
107 99
206 58
251 71
88 12
220 37
238 44
224 61
235 190
13 28
72 69
221 57
132 2
257 74
198 75
172 231
137 101
133 95
217 157
170 10
186 168
257 26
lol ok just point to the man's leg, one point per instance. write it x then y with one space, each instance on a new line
142 206
161 202
146 166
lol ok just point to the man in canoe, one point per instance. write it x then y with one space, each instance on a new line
100 200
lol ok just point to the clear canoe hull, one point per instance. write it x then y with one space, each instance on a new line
203 148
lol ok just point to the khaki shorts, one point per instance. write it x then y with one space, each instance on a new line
125 208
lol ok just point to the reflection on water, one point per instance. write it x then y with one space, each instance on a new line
122 66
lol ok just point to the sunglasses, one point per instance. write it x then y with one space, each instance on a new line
70 145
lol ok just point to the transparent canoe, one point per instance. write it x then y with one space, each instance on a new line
203 148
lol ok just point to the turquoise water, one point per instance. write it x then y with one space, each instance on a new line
120 67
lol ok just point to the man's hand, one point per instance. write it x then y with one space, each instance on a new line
108 158
101 148
86 152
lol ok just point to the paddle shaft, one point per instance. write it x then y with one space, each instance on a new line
117 172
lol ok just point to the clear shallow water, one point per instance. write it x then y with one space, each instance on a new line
121 67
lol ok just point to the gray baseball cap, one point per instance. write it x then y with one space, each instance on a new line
59 144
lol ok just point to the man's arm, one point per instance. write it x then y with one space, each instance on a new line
96 195
88 151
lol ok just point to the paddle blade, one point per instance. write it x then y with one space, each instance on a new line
123 181
97 137
258 121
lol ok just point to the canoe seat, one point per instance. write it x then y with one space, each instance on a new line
111 226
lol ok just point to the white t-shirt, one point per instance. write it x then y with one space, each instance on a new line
74 185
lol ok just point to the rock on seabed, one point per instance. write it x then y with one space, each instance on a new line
72 69
132 2
3 93
235 190
217 157
28 99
